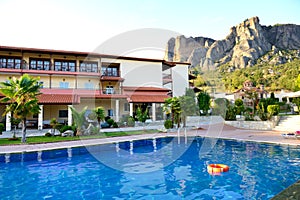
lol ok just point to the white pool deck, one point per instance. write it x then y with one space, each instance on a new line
218 130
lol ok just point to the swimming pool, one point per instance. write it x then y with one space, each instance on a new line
151 169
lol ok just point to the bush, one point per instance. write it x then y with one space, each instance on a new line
249 116
142 116
1 128
110 122
95 130
239 106
65 128
130 121
168 124
115 125
273 110
106 118
230 113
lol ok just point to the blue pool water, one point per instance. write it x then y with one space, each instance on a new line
148 169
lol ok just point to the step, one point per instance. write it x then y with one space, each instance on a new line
288 123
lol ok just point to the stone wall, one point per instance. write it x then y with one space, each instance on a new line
255 125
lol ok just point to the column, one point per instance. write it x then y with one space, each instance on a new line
8 121
131 109
40 118
117 110
70 115
154 112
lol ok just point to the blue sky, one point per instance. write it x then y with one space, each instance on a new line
82 25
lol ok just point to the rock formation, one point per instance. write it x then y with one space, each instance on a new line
244 45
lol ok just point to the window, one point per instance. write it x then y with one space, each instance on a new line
88 67
39 64
110 112
10 62
89 85
63 113
126 107
64 84
109 89
63 65
110 69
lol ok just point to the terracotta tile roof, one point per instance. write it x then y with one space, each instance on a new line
71 96
127 88
58 99
111 78
146 94
148 98
132 94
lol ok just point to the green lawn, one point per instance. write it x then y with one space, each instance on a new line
43 139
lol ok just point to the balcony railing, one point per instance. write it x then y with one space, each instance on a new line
50 67
110 73
111 91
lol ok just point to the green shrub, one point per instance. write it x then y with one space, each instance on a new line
239 106
142 116
168 124
1 128
115 125
249 116
273 110
130 121
95 130
230 113
110 122
65 128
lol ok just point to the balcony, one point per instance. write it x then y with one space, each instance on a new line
110 91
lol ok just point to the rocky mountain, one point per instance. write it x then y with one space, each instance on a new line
243 46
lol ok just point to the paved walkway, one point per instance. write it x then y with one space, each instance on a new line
216 131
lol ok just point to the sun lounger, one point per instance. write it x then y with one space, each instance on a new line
295 135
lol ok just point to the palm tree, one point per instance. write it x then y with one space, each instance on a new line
100 113
21 97
172 106
79 119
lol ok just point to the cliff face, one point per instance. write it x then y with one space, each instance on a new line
245 43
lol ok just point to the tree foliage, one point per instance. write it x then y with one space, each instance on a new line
100 114
203 102
20 95
141 115
79 119
273 77
172 107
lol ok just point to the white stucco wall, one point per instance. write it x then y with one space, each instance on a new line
137 73
180 79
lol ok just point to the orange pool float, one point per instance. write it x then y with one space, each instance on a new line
217 168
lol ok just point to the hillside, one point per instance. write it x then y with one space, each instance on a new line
244 45
268 55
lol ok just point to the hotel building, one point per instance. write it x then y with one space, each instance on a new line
118 83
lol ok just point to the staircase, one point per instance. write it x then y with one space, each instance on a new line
288 124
